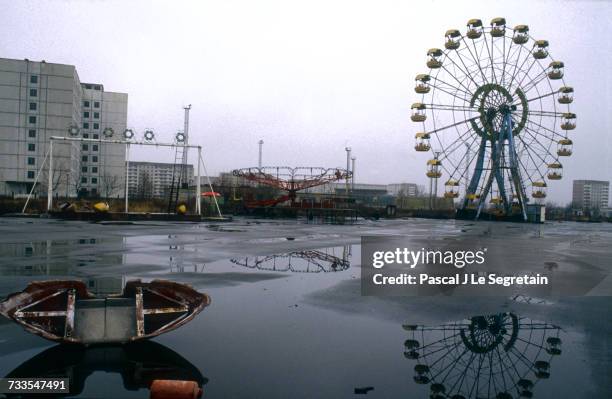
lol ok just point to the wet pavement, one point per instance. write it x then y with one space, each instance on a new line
287 318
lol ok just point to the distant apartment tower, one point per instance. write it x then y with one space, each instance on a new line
590 194
406 189
103 116
39 100
153 179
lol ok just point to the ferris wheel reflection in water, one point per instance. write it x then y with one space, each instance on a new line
499 356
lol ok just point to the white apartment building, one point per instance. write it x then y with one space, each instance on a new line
590 194
41 99
103 116
406 189
153 179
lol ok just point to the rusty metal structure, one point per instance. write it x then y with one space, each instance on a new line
65 311
290 180
494 113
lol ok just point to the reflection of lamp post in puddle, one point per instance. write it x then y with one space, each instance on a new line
493 356
177 263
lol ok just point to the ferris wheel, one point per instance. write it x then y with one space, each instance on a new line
498 356
495 115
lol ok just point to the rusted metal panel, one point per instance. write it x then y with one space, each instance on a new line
166 310
52 309
139 313
70 314
26 315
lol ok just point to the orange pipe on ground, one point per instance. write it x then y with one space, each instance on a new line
172 389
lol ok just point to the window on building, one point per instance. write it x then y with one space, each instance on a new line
31 147
85 125
94 147
94 169
96 104
32 119
85 147
86 104
32 106
96 136
83 179
97 87
30 174
88 86
33 93
94 158
34 79
85 135
32 133
86 114
84 169
84 158
31 160
96 115
94 191
94 180
96 126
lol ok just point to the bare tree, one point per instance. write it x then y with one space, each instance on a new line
419 191
110 183
145 186
61 175
76 182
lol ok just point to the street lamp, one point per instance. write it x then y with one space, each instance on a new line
348 167
353 159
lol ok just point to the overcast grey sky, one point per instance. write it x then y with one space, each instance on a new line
309 77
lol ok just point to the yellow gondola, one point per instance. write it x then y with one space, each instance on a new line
496 200
472 196
422 142
566 95
564 147
498 27
433 170
452 189
434 60
568 121
556 70
101 207
422 83
418 112
453 39
555 171
540 49
539 189
181 209
521 34
474 28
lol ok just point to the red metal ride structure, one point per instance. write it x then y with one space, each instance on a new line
290 180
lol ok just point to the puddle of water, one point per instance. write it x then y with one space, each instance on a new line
138 364
264 331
